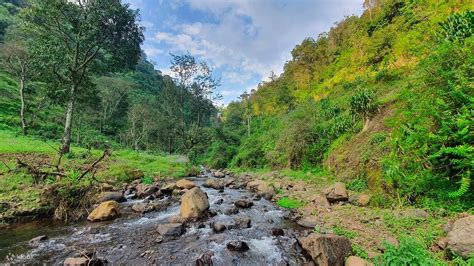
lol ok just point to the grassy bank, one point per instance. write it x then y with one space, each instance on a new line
21 192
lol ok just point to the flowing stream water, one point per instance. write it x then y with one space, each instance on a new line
131 238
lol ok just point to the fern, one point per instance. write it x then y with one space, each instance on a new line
465 184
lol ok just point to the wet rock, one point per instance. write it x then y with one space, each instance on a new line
212 213
218 227
243 203
111 195
194 204
105 211
261 188
228 181
76 262
243 222
231 211
278 232
144 190
336 193
159 239
219 201
239 246
145 207
168 188
38 239
171 229
176 219
460 239
205 259
218 174
185 184
214 183
326 249
356 261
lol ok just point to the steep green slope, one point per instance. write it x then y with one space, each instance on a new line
385 98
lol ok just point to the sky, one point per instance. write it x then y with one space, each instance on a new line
242 40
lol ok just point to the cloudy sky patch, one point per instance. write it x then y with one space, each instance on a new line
243 40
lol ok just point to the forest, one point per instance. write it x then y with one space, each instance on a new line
381 103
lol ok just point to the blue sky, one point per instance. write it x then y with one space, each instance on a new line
243 40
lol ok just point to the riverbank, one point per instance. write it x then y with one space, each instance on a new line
372 224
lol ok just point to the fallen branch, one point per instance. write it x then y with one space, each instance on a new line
93 165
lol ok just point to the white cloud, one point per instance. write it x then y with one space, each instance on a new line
151 51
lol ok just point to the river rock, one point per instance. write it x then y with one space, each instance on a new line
171 229
214 183
231 211
38 239
242 223
218 227
145 207
326 250
76 262
185 184
194 204
228 181
460 239
111 195
105 211
356 261
239 246
261 188
243 203
219 174
168 188
308 221
205 259
278 232
336 193
144 190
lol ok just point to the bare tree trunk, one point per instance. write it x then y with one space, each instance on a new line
68 123
22 109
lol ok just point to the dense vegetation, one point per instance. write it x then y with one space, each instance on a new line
385 99
123 100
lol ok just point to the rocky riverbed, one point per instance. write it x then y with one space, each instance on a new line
239 227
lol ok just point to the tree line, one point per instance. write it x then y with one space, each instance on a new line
81 76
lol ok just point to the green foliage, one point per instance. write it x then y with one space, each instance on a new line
344 232
359 251
148 180
409 252
363 104
359 184
458 26
290 203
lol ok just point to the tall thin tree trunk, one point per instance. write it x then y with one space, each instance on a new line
22 109
68 123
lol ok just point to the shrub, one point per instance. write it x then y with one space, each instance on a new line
290 203
409 252
363 105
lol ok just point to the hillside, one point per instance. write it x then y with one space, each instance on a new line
360 150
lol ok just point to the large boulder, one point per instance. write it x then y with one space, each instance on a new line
261 188
214 183
105 211
336 193
185 184
111 195
326 250
460 239
171 229
194 204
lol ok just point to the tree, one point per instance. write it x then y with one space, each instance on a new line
77 38
196 84
17 61
363 104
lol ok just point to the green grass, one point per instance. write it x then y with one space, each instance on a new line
344 232
290 203
18 188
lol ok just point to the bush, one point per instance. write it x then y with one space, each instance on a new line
290 203
409 252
